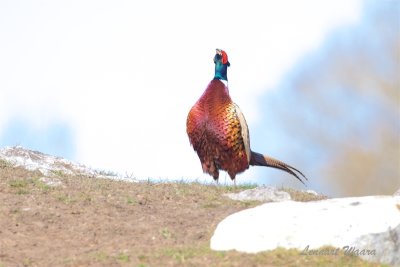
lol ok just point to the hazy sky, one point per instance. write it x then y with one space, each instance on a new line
110 83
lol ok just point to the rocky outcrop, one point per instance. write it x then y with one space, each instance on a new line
48 165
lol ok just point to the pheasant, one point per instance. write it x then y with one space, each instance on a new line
219 134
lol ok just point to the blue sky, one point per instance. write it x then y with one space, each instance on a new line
109 84
56 138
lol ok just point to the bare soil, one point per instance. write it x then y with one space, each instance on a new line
100 222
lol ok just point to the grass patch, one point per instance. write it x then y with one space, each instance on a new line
59 173
26 186
165 233
64 198
6 164
179 255
210 205
123 257
240 187
131 201
19 183
104 257
303 196
185 254
100 256
82 198
20 187
40 185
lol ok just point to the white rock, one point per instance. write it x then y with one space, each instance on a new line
262 193
50 166
333 222
385 246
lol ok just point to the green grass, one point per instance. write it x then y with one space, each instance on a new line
74 198
20 186
26 186
18 183
184 254
100 256
165 233
58 173
180 255
123 257
104 257
40 185
64 198
131 201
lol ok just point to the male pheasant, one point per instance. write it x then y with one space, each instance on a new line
218 131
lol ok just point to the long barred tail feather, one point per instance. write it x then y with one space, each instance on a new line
258 159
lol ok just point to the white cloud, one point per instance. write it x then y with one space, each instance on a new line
125 74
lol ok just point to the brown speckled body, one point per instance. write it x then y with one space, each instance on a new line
218 132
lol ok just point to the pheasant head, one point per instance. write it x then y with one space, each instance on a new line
221 65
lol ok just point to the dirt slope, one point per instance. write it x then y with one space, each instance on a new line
81 221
